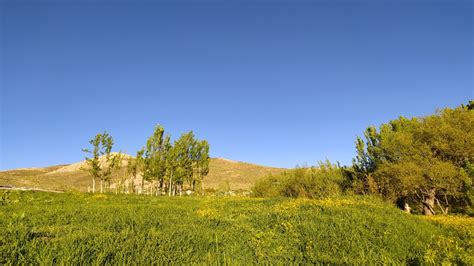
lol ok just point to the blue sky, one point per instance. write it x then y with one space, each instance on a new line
277 83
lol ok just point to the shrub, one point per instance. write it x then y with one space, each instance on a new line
325 180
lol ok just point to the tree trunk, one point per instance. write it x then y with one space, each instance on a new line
160 187
443 210
93 185
406 208
428 203
101 186
202 187
170 187
157 186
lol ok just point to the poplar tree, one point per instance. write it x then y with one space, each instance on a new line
179 164
166 148
203 163
155 157
134 167
102 144
93 162
171 165
200 163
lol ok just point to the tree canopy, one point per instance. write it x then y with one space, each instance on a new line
174 165
423 161
102 145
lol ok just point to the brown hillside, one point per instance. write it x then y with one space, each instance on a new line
223 174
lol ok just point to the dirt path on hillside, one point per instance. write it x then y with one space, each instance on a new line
28 189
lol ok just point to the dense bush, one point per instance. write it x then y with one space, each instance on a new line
324 180
45 228
426 162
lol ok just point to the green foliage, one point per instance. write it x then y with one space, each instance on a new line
156 152
102 144
323 181
422 161
201 159
189 161
172 165
183 156
47 228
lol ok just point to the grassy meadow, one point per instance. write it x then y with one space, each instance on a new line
73 228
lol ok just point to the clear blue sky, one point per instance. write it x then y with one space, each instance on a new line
277 83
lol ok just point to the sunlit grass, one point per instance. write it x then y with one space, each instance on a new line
73 228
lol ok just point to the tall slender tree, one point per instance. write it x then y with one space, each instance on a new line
164 156
203 163
155 157
184 159
135 167
200 163
171 165
93 163
99 168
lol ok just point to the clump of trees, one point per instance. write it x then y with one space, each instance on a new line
426 162
174 165
102 162
170 166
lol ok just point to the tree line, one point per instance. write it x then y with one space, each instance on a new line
171 166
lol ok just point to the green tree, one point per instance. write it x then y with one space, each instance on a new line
171 166
423 161
102 161
183 156
200 164
165 150
134 167
155 157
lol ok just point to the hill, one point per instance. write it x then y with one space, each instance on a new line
224 174
80 228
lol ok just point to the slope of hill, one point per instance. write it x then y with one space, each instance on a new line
224 174
80 165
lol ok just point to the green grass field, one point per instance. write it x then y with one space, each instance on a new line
45 228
